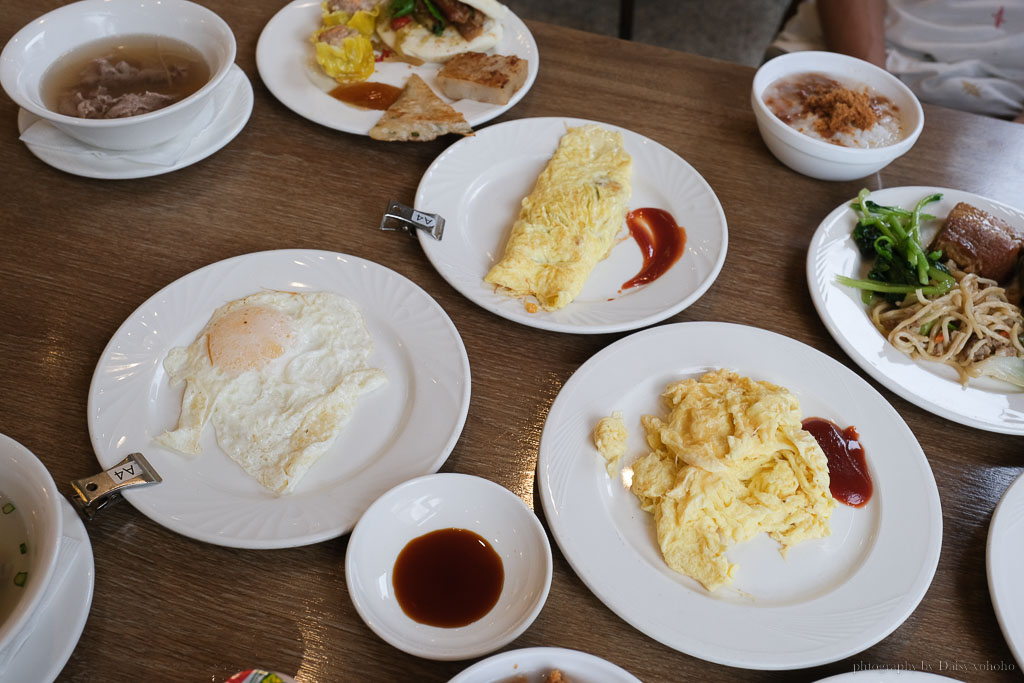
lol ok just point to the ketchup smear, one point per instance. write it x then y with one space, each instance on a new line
659 238
847 469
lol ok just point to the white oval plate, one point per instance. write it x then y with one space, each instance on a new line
882 675
232 103
1004 559
284 52
984 403
58 624
477 185
829 598
444 501
537 662
403 430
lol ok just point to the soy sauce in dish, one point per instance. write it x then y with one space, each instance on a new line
448 578
123 76
849 480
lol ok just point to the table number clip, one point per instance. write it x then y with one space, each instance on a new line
94 493
400 217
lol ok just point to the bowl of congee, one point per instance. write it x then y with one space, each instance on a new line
833 117
31 528
119 74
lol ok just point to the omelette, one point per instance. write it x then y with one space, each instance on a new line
569 221
278 374
731 461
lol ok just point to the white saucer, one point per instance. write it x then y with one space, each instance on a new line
444 501
232 101
59 626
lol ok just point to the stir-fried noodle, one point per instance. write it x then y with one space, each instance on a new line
971 322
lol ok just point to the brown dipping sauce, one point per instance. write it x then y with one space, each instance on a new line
660 239
847 468
448 578
367 95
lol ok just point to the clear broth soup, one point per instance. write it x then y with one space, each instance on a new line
123 76
14 557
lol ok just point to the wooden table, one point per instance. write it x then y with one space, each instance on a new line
79 255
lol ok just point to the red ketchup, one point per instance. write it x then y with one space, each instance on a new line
847 468
659 238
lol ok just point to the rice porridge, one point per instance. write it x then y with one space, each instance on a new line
844 114
14 556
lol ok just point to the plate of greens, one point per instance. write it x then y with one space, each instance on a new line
897 226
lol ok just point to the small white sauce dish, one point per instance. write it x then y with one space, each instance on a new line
535 663
30 53
443 501
823 160
25 482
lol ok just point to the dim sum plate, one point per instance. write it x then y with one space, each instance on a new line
477 185
1004 559
231 106
828 598
402 430
284 57
984 403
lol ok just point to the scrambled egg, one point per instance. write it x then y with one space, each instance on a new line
731 462
569 221
610 439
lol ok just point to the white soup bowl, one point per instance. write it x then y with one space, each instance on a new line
35 48
823 160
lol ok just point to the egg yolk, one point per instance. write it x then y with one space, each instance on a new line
248 338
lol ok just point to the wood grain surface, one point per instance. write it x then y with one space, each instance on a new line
79 255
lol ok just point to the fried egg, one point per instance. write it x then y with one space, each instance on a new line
731 461
278 374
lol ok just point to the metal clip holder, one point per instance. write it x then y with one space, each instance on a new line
94 493
400 217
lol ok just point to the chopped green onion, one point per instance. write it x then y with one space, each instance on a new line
8 508
23 548
20 578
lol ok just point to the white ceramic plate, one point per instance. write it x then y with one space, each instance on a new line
477 185
1004 559
58 626
885 676
984 403
444 501
403 430
829 598
284 52
537 662
232 102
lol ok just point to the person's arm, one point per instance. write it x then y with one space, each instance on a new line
855 28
